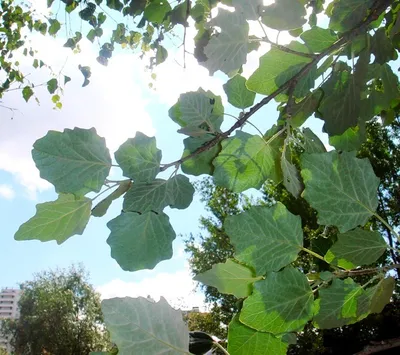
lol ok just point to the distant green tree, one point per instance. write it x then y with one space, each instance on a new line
381 146
59 314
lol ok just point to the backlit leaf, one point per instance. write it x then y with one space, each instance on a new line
27 93
238 94
229 277
246 161
57 220
284 15
318 39
346 14
340 187
140 241
80 153
156 10
251 10
356 248
139 158
281 303
176 192
142 327
291 177
227 51
266 238
243 340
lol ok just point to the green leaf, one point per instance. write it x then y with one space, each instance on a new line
382 47
54 26
57 220
350 140
179 14
340 187
72 42
156 10
141 326
381 294
229 277
140 241
201 163
243 340
344 88
281 303
139 158
73 160
346 14
66 79
238 94
247 161
227 51
276 63
86 72
101 208
251 10
300 112
266 238
312 144
198 108
291 177
27 93
338 304
318 39
115 5
356 248
52 85
176 192
161 55
284 15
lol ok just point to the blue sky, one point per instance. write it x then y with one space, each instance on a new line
117 103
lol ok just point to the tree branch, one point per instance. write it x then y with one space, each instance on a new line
378 7
370 271
377 347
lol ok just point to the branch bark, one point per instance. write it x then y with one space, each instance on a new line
377 347
376 10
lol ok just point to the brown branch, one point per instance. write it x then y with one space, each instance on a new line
376 10
377 347
370 271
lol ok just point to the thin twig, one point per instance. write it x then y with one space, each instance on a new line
378 7
382 345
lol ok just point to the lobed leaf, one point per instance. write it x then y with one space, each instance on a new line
80 153
266 238
57 220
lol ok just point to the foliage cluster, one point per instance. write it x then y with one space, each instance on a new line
336 68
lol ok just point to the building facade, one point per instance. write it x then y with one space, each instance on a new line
9 298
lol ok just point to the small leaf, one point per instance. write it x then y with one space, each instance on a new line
161 55
54 27
266 238
291 177
55 98
243 340
140 326
57 220
229 277
201 163
52 85
312 144
101 208
140 241
66 79
281 303
139 158
86 72
284 15
340 187
338 304
318 39
356 248
238 94
27 93
80 153
176 192
115 5
238 171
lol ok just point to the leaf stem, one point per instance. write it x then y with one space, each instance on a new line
107 189
387 225
313 253
219 346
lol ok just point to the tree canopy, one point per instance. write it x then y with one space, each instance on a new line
338 67
60 313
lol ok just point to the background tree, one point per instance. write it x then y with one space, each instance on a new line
60 314
381 146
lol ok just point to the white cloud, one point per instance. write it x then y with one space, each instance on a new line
177 288
6 191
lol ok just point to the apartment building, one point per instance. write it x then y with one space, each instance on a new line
9 298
